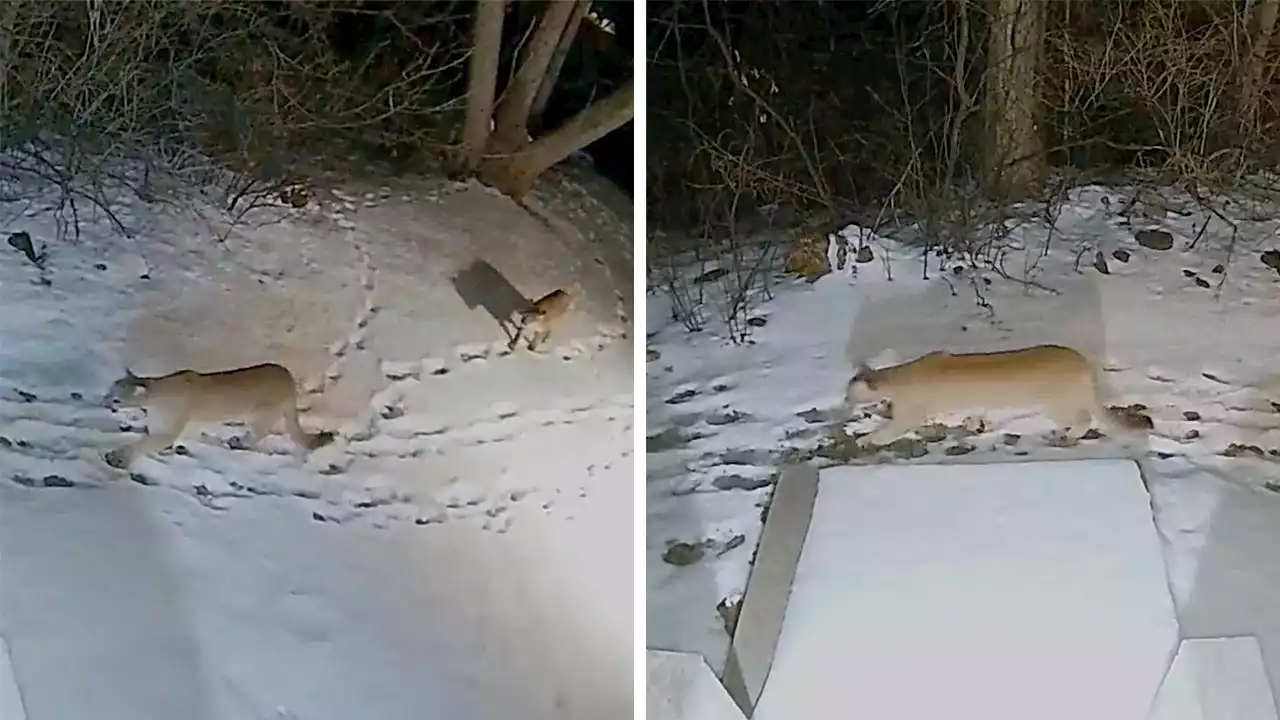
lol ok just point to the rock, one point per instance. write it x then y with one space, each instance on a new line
1218 269
1100 263
959 449
908 448
651 355
1010 439
933 432
21 241
711 275
1273 487
56 481
682 397
813 416
1121 255
728 611
1154 239
757 321
843 449
740 482
1188 273
734 543
1191 434
114 458
1238 449
726 417
972 425
1092 434
864 255
1191 415
1202 282
668 439
681 554
1271 258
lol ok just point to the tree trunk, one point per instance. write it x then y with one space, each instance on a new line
1262 27
1015 44
482 72
557 61
511 127
514 175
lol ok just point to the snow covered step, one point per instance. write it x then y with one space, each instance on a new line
1002 591
682 687
1216 679
10 699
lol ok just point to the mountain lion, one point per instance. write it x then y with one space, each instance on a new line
534 323
261 395
1055 379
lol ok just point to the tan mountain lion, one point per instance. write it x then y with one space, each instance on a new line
534 323
261 395
1057 380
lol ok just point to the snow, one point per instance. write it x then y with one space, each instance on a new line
991 588
1219 678
723 418
454 553
10 700
682 687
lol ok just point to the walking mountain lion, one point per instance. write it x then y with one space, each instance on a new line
262 395
534 323
1057 380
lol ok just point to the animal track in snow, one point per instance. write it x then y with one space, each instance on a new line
355 340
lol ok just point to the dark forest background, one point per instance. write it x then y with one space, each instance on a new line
794 113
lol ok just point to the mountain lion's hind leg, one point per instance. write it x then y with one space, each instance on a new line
539 335
260 427
1073 423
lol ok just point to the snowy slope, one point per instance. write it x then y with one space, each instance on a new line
458 552
1185 331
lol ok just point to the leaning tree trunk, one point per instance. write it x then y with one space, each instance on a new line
482 72
1262 27
515 174
511 126
1015 157
557 62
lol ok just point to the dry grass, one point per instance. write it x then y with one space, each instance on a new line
158 98
757 129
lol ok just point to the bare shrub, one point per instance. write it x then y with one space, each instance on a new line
873 113
157 98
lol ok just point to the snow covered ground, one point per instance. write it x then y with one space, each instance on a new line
462 550
1185 331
